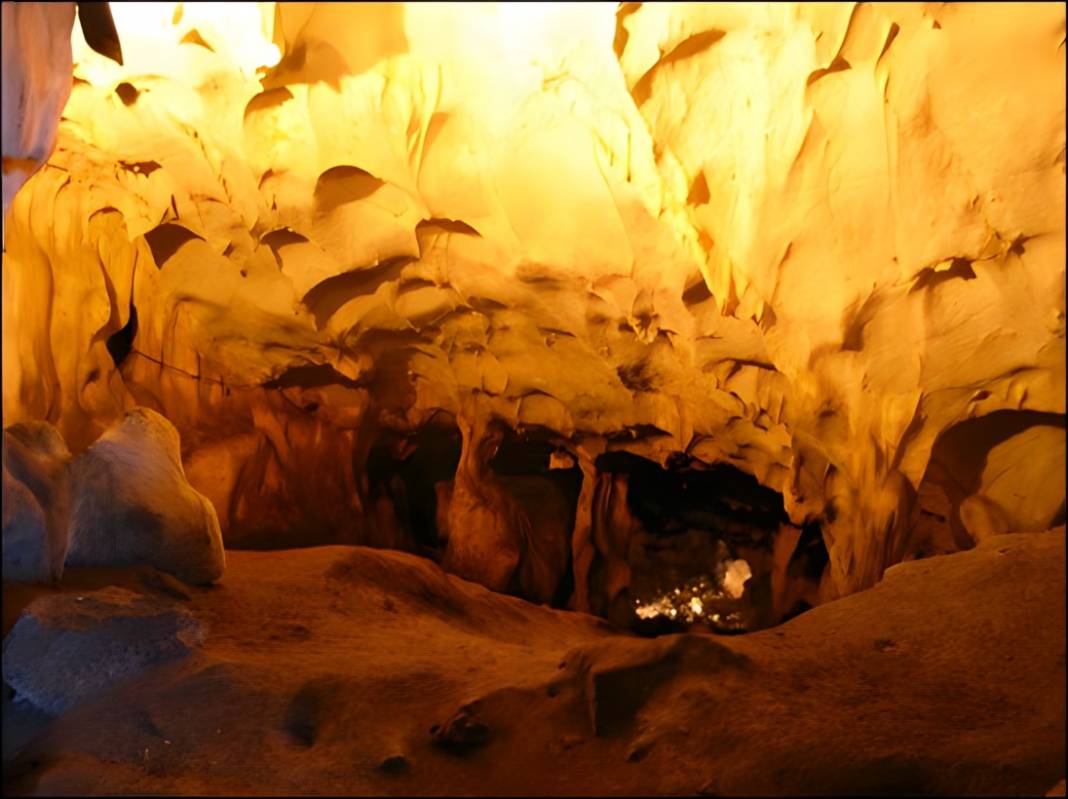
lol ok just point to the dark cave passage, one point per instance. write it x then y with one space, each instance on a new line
709 546
691 545
414 477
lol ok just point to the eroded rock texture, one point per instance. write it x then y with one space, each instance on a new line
812 241
35 86
130 503
36 531
352 671
65 647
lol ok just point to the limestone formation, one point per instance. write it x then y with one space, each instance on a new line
670 314
25 534
546 553
35 86
131 503
487 527
36 82
66 648
36 502
818 242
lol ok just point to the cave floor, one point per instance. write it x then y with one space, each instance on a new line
325 669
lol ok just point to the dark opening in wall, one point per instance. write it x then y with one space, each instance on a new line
547 489
687 546
806 568
410 481
955 473
409 473
701 550
120 343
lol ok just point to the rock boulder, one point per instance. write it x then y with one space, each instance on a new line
68 647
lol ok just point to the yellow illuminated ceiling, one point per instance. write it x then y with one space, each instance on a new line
805 239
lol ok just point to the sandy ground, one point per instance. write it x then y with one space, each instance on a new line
325 670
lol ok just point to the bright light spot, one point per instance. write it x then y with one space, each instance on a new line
151 34
559 459
525 16
698 597
738 572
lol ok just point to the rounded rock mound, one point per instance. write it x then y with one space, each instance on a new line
131 503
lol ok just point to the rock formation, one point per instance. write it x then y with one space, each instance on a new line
816 242
487 527
349 670
36 83
130 504
689 316
509 535
64 649
36 502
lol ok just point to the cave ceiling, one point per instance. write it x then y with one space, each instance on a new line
804 239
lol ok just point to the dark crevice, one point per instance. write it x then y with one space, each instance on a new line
666 500
127 93
699 194
697 293
341 185
740 362
633 432
929 278
167 239
98 28
140 167
194 37
447 226
693 45
311 376
327 297
120 343
485 305
410 481
853 341
637 376
895 29
838 65
541 276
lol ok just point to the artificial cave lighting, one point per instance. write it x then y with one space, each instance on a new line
702 600
474 398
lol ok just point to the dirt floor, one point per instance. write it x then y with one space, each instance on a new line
325 670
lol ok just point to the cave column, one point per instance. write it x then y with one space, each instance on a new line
582 547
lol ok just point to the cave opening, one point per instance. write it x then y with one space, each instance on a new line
962 497
707 547
410 482
405 475
546 482
684 546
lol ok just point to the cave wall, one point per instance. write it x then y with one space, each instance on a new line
803 239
